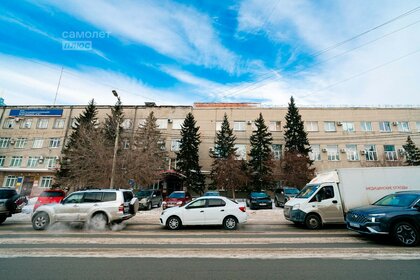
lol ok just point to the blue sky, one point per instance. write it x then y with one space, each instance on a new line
180 52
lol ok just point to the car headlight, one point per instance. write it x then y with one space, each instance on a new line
375 217
164 202
179 202
296 207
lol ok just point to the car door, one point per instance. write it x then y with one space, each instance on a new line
91 200
329 205
193 214
215 211
68 209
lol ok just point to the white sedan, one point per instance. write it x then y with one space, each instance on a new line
208 210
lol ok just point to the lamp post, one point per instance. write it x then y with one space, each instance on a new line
117 137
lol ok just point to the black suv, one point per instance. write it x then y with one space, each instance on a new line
258 200
283 195
10 203
397 214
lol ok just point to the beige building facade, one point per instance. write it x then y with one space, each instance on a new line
32 137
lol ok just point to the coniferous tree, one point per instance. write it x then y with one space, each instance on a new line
412 153
188 158
224 145
111 122
261 160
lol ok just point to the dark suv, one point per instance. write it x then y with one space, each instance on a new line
283 195
397 214
10 203
149 198
258 200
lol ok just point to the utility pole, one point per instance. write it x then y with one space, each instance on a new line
117 136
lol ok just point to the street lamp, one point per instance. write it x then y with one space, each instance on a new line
117 136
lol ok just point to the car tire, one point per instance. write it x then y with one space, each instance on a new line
98 221
149 206
173 223
405 234
40 221
2 218
230 223
313 221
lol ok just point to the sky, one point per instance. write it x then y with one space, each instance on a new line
325 52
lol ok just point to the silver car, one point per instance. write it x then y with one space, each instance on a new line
98 208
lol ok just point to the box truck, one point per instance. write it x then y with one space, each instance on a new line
328 197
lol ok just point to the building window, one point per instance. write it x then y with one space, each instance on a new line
9 123
366 126
33 161
311 126
384 126
4 142
126 144
332 153
175 145
177 123
275 126
46 182
403 127
329 126
370 153
54 142
127 124
390 153
26 123
218 126
162 123
348 126
59 123
240 151
276 149
42 124
2 159
10 181
38 143
352 153
239 126
21 143
315 153
16 161
51 162
418 126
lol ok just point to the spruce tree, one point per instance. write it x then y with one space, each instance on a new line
224 145
294 133
188 158
261 159
412 153
111 122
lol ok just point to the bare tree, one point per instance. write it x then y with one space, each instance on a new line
294 170
229 174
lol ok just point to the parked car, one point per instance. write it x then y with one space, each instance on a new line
149 198
211 193
10 203
206 210
98 208
258 200
396 214
49 197
177 198
283 195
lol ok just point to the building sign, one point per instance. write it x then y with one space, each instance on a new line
36 112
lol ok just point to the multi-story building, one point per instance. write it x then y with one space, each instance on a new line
32 137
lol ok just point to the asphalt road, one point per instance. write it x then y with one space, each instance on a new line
267 247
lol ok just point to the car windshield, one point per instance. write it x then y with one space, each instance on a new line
291 191
211 194
307 191
259 194
397 200
177 195
144 193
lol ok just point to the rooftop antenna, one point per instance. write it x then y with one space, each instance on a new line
58 86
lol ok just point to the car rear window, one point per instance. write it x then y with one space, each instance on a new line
216 203
51 194
177 195
5 194
128 196
109 196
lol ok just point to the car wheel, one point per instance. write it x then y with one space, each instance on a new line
173 223
2 218
313 221
230 223
40 221
98 222
405 234
149 206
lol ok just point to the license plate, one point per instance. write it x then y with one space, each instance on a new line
355 225
263 204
